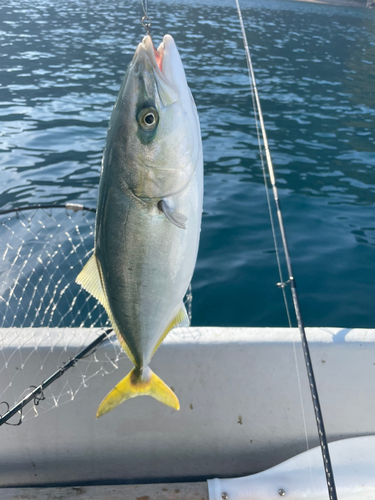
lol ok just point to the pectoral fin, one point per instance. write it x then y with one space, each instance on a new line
139 382
176 218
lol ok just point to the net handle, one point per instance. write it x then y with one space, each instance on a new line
76 207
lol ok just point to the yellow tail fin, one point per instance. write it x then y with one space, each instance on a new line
138 383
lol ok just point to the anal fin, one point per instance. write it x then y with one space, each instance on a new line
181 319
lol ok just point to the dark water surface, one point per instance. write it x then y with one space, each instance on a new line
61 65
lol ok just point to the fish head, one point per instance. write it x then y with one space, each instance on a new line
156 123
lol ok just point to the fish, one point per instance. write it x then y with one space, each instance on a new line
148 217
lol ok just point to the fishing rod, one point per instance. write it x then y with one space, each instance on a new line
291 280
37 395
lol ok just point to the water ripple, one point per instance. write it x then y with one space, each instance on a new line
61 64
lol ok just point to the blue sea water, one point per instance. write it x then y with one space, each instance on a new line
61 65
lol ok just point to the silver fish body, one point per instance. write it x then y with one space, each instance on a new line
149 210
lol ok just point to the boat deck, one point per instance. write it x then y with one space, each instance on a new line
167 491
240 407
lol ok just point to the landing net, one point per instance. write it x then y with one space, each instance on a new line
43 310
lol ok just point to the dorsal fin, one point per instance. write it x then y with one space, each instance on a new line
90 278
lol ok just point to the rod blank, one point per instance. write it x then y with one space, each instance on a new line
306 352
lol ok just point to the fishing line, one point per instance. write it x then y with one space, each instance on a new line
282 284
291 281
146 21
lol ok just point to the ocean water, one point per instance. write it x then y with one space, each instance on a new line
61 65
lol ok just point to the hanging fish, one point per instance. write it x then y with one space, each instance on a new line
148 215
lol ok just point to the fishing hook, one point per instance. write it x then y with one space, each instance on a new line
145 21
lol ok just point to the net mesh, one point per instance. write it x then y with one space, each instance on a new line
43 310
42 253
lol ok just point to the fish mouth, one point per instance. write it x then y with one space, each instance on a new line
167 67
155 56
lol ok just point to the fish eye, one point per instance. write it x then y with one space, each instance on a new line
148 118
